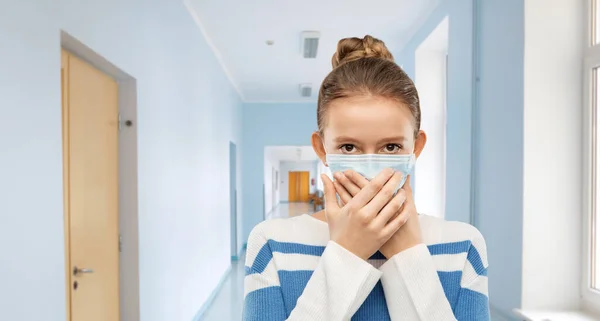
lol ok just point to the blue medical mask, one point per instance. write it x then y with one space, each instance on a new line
369 165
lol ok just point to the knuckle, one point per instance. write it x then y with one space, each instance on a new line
402 220
372 230
363 218
397 206
377 184
387 193
402 194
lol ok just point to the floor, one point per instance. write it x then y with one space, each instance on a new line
228 303
290 210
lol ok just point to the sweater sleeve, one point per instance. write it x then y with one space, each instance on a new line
337 288
414 291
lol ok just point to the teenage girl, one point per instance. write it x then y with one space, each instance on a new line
369 255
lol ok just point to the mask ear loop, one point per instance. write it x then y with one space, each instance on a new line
325 149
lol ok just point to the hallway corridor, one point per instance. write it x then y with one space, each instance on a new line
229 301
284 210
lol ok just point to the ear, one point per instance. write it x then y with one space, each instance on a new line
317 144
420 143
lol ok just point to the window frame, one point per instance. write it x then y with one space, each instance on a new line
591 71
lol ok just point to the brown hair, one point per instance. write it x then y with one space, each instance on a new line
366 67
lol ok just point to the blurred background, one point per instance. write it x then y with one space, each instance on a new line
213 104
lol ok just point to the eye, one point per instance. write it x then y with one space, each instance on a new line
347 148
392 148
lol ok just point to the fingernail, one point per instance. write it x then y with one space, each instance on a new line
337 175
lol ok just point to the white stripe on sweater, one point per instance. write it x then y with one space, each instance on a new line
295 262
479 285
254 282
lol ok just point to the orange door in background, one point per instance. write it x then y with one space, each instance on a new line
299 186
304 186
91 190
293 187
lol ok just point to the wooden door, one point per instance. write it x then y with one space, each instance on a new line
299 186
304 186
293 187
90 164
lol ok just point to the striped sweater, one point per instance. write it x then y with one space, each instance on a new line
294 272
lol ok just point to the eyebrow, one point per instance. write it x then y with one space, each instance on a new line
392 139
345 139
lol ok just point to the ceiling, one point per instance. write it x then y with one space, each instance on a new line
291 153
237 31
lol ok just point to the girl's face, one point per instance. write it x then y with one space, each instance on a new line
368 125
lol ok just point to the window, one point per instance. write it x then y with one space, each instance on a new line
591 169
595 22
593 155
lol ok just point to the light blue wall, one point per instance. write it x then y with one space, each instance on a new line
269 125
499 146
492 188
459 104
187 114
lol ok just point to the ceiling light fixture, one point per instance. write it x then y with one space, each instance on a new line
305 90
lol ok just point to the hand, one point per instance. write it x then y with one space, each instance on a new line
350 183
367 220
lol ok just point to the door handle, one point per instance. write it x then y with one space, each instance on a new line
77 271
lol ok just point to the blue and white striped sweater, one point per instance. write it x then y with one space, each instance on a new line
293 272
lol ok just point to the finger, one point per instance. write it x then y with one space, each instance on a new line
396 223
345 197
357 179
348 185
392 209
329 191
372 189
385 195
407 186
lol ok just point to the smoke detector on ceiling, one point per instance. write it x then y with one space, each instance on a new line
305 90
309 43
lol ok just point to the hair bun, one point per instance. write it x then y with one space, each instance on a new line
351 49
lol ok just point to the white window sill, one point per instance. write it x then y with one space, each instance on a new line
545 315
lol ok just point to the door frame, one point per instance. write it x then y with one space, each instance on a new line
233 210
274 188
128 181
